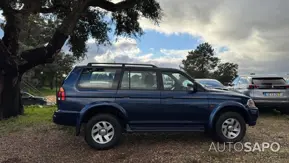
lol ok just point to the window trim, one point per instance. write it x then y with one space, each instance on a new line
138 70
114 83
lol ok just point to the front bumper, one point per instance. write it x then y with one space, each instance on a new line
67 118
253 116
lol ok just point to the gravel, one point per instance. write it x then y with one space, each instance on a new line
49 143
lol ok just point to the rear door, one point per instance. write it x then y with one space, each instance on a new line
139 95
270 88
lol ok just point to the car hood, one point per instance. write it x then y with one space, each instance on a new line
226 93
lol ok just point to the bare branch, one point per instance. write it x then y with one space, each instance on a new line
54 8
113 7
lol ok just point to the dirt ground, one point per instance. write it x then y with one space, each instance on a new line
50 143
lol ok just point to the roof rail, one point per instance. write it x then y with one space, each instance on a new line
123 64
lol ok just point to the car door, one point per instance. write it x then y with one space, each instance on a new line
182 107
139 95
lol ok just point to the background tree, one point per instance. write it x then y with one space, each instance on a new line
226 72
78 20
47 74
201 61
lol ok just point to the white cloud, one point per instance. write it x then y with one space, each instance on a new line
255 32
2 18
175 53
126 51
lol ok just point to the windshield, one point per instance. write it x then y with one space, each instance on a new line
210 83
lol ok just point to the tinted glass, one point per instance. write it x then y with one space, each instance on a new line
97 78
144 80
210 83
269 81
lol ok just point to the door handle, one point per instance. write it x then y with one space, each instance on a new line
170 97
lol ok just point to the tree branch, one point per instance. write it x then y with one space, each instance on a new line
113 7
54 8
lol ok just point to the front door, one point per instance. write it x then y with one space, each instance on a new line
183 107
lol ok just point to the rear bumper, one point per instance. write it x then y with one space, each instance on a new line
67 118
260 103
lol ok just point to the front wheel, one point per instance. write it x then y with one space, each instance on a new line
103 132
230 127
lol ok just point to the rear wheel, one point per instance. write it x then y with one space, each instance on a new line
103 131
230 127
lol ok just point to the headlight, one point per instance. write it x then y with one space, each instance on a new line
251 104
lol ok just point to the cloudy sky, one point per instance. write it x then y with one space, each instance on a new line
251 33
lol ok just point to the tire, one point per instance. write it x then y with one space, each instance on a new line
227 135
108 138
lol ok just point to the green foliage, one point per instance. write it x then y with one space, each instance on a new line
226 72
200 61
93 22
47 73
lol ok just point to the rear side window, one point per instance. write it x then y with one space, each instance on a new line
269 81
98 78
139 80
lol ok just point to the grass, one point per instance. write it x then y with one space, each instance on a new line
45 91
33 116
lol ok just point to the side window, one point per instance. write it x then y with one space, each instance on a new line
168 82
235 82
139 80
243 81
175 81
97 78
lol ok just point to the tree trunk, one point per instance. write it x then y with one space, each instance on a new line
11 66
51 84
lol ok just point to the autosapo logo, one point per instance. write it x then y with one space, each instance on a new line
245 147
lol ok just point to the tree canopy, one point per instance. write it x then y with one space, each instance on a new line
203 63
72 22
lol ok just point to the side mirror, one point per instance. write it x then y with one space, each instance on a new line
230 84
190 87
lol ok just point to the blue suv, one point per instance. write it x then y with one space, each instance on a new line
110 99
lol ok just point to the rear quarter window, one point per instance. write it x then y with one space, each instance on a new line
98 78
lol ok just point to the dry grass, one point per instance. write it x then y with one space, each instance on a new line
45 142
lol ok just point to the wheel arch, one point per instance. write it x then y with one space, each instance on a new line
104 108
230 107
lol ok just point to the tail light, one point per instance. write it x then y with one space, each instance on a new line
252 86
287 86
61 94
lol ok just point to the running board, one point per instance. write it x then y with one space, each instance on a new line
165 129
